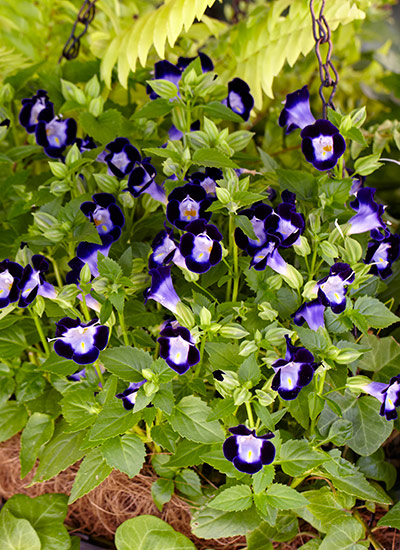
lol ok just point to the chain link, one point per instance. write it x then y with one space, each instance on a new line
85 17
327 72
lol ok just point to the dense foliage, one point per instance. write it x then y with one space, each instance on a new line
199 275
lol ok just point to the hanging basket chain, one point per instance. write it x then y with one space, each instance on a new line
327 72
85 17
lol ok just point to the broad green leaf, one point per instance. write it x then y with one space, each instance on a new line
13 417
222 408
188 483
284 497
233 499
79 408
343 535
127 362
212 158
223 356
92 471
59 365
218 110
369 428
162 491
12 342
165 436
46 514
113 420
63 450
259 539
263 478
215 458
187 454
266 512
322 510
297 457
208 523
17 534
392 518
296 181
285 528
383 358
154 109
245 225
126 453
150 533
189 419
376 314
104 128
249 371
38 431
376 467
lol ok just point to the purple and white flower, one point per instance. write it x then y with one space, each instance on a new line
128 396
33 282
257 215
85 144
105 214
332 289
187 203
165 250
387 394
286 223
81 342
77 376
142 180
311 313
368 216
10 275
322 144
87 253
200 246
162 289
207 180
294 372
239 98
32 108
55 135
247 451
382 254
177 347
297 112
121 158
268 255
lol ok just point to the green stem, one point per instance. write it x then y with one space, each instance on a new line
296 481
370 536
206 292
233 250
249 415
99 373
123 328
200 363
57 272
84 308
36 319
313 260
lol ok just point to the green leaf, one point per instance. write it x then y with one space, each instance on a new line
208 523
189 419
217 110
126 454
245 225
392 518
233 499
265 510
38 431
46 514
104 128
376 314
367 165
285 498
369 428
188 483
212 158
92 471
223 356
187 454
263 478
112 420
13 417
264 415
299 182
154 109
322 510
384 355
376 467
342 535
17 534
162 491
314 340
249 371
221 408
215 458
59 365
79 408
164 88
165 436
297 457
259 539
127 362
63 450
150 533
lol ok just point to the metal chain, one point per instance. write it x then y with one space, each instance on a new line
85 16
327 72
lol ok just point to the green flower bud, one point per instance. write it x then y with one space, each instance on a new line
233 330
293 277
73 155
58 169
228 384
223 195
302 249
328 249
247 347
163 88
267 312
45 221
150 388
240 396
310 291
92 87
96 106
185 315
205 317
265 398
106 183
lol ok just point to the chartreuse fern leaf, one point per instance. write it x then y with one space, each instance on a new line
153 28
268 39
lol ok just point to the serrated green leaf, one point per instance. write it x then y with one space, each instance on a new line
92 471
218 110
209 523
38 431
233 499
79 408
297 457
212 158
222 408
284 497
127 362
392 518
13 417
246 226
126 454
376 314
112 420
154 109
58 365
343 535
187 454
162 491
104 128
189 419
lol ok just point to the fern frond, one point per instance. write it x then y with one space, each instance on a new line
153 28
10 60
269 39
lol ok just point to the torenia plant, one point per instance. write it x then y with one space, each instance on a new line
180 298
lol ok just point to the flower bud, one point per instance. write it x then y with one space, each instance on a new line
292 277
310 291
44 221
185 315
92 87
328 249
96 106
240 396
267 312
73 155
265 398
223 195
150 388
225 382
247 347
58 169
106 183
163 88
233 330
205 317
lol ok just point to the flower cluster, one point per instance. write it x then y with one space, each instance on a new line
273 229
52 132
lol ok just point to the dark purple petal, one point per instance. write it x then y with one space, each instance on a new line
239 98
230 448
312 313
296 113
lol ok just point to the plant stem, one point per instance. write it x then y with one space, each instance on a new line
99 373
249 414
233 249
40 331
57 272
123 328
84 308
200 363
370 536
